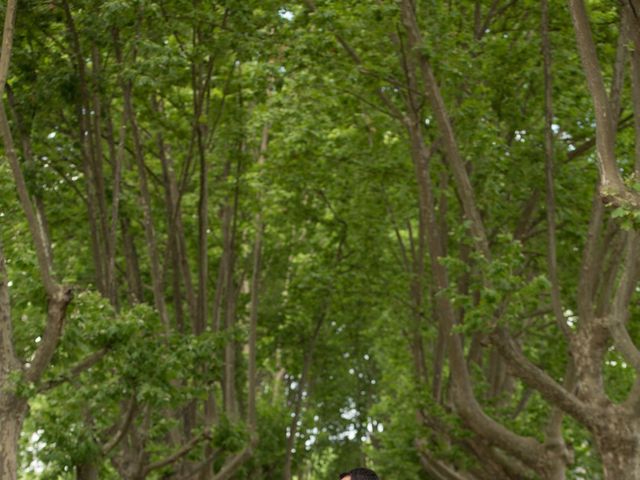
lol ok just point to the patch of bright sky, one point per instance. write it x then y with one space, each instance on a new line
286 14
33 447
571 318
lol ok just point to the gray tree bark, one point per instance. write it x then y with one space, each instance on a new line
12 414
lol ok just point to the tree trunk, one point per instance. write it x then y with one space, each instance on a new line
87 471
618 442
12 413
299 397
620 464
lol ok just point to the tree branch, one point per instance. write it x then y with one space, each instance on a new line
186 448
35 225
456 163
613 189
76 370
234 463
56 313
7 43
198 468
8 358
123 428
392 109
536 378
552 262
590 258
434 467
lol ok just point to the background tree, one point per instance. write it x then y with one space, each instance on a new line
307 235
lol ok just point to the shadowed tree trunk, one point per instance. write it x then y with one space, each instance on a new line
12 414
13 408
87 471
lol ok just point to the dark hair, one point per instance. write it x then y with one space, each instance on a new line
361 474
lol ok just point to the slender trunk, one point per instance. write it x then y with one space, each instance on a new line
216 319
86 140
132 264
278 378
95 127
297 407
118 159
145 194
252 419
87 471
176 231
199 96
149 228
172 234
554 438
612 186
230 350
7 42
552 267
440 350
439 355
13 409
200 321
635 90
445 126
12 414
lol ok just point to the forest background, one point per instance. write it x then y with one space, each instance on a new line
259 239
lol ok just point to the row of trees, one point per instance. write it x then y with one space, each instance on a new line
260 239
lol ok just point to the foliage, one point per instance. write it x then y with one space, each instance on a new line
163 142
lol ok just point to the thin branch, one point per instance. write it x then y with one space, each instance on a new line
620 308
435 467
552 261
613 188
588 143
56 314
590 257
7 351
177 455
7 43
35 227
254 304
454 157
367 102
80 367
198 468
536 378
58 297
231 466
123 428
395 112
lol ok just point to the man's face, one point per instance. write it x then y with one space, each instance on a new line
348 477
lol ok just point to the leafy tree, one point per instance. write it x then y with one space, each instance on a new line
259 239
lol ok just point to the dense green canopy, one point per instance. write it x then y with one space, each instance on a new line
257 239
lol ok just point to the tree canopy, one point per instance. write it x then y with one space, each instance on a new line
246 239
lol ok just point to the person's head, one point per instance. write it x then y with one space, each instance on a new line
359 474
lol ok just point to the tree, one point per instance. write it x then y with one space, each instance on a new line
307 235
13 405
493 301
